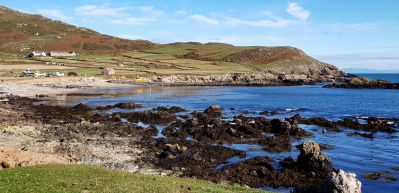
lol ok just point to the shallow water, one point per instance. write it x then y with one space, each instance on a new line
354 154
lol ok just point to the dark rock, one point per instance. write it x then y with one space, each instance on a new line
365 135
311 158
276 144
150 117
373 125
288 163
81 107
364 83
127 106
380 176
214 111
72 74
269 113
173 109
121 106
288 127
319 121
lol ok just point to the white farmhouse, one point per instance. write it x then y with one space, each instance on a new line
37 54
62 54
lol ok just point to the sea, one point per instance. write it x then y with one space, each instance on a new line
353 154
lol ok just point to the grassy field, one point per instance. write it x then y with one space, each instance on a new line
166 60
134 64
85 179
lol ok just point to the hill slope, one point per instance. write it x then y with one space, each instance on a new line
275 60
21 33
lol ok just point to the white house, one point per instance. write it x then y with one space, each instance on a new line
62 54
37 54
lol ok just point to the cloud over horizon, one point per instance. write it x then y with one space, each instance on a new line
297 11
204 19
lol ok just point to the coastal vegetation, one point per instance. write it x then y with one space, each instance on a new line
83 178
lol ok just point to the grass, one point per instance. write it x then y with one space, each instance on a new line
161 61
210 51
81 178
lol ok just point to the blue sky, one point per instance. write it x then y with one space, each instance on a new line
358 34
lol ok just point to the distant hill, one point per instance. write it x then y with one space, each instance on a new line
278 60
22 32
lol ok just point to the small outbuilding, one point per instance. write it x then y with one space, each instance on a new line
108 71
62 54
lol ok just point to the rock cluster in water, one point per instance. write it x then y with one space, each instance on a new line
193 143
361 82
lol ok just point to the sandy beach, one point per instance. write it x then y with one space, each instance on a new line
53 86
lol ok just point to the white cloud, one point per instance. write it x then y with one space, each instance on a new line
269 23
204 19
93 10
339 27
121 15
241 40
151 11
297 11
54 13
181 12
272 21
131 21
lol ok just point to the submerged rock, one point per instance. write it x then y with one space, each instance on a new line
173 109
380 177
365 135
121 106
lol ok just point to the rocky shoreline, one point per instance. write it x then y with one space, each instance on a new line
364 83
189 144
263 78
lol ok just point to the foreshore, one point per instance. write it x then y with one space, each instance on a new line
54 86
161 141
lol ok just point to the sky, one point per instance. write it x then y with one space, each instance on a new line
355 35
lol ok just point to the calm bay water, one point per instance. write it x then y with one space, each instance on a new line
354 154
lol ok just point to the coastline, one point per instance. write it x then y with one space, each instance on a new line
40 87
85 134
